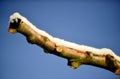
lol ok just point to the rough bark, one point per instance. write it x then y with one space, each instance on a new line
75 57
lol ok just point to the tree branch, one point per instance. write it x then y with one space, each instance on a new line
74 53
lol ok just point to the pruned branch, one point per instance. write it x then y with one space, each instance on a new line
74 53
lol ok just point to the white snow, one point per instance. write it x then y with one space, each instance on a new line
61 42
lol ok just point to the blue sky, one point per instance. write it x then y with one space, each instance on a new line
93 23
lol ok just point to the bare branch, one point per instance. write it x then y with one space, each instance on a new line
74 53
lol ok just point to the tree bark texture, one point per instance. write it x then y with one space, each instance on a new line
75 57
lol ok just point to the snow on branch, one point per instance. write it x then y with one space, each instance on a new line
75 53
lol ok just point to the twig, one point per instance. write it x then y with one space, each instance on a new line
74 53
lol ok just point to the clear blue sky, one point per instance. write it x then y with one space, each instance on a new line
89 22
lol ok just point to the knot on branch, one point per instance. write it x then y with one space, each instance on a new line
74 63
113 64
